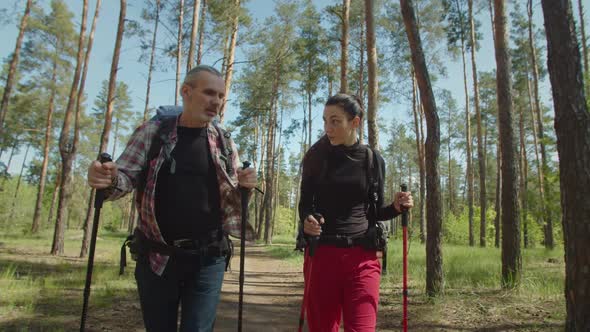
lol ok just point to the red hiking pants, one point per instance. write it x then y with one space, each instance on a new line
342 282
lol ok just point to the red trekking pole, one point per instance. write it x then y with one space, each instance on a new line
313 243
404 188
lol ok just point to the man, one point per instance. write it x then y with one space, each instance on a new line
188 205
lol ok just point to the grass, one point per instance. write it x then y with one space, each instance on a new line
36 284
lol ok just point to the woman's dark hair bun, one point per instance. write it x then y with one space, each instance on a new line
351 104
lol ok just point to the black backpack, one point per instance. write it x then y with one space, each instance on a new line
167 116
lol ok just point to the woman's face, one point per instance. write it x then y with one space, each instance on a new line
338 128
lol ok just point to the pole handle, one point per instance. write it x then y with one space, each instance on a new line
99 197
404 188
314 240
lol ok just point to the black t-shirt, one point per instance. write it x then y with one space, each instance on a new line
187 192
334 184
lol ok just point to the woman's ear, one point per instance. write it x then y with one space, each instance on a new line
356 122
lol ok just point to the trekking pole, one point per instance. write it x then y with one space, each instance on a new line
404 188
245 195
98 199
313 244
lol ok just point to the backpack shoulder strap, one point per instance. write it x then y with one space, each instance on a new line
164 128
226 150
372 175
373 184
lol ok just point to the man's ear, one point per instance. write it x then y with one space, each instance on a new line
185 91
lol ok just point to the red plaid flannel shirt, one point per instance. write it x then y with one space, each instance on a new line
133 159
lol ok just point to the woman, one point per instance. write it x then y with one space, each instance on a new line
342 278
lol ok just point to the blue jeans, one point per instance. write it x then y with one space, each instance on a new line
193 282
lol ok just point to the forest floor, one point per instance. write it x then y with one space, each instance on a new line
44 293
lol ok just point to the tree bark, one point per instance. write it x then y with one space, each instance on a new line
524 165
480 153
498 206
13 65
179 50
20 176
361 77
46 145
434 271
230 61
55 196
584 44
548 218
572 126
469 178
372 71
421 166
201 32
151 65
87 222
511 255
191 49
65 145
344 47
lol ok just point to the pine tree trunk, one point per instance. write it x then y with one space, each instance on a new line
584 43
264 160
361 83
373 95
548 226
65 145
191 49
269 194
344 47
151 65
434 271
511 253
87 228
419 148
309 119
107 117
20 176
54 197
78 112
46 146
523 179
13 65
480 154
572 124
498 205
230 61
201 32
537 154
179 51
469 177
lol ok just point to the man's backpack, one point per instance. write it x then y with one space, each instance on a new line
167 116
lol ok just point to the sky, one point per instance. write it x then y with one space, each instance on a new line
133 72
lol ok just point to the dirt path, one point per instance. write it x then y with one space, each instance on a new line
272 294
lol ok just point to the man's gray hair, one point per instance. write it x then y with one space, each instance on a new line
194 72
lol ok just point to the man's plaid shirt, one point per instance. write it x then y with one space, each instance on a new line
133 159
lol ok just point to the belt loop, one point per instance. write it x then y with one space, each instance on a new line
349 241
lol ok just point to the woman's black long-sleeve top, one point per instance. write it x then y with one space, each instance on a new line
334 184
